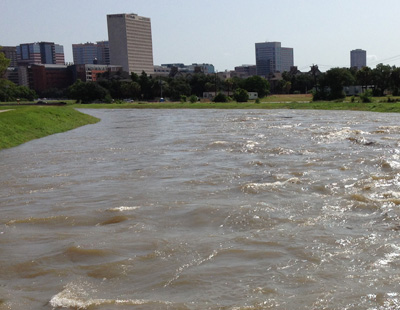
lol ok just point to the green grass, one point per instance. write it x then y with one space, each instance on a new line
270 102
24 123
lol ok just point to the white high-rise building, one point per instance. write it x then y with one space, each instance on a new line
130 42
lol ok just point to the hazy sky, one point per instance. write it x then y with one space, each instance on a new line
220 32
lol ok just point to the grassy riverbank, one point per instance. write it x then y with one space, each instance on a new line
21 124
270 102
354 106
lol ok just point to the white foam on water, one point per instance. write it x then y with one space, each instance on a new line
123 208
78 297
264 186
389 257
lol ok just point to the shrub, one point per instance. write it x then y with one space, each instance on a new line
366 97
87 92
183 98
320 94
241 95
108 98
220 98
193 98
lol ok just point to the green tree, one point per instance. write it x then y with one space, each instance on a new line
228 85
257 84
241 95
134 77
4 63
11 92
336 79
303 83
87 92
381 75
146 86
364 77
198 83
220 97
178 87
130 90
395 81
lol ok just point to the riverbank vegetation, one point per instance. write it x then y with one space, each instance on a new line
21 124
305 102
287 101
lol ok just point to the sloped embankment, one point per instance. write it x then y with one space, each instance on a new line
23 124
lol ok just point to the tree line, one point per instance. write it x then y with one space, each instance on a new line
144 87
330 85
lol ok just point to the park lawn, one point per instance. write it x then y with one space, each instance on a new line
24 123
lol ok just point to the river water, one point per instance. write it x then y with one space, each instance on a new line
204 209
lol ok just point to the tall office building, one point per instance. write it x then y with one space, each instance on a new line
130 41
89 53
358 58
271 57
40 53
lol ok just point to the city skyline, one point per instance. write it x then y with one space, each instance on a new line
222 33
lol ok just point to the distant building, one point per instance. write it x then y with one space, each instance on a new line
90 72
181 68
28 54
271 58
91 53
130 42
162 70
40 53
12 75
103 52
244 71
287 59
202 68
358 58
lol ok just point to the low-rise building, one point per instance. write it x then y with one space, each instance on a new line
43 77
175 68
244 71
90 72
